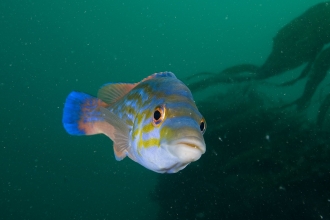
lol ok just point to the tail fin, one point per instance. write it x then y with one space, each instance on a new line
81 114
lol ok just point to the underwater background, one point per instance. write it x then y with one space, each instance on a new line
260 163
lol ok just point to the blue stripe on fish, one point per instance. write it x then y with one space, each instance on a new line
181 122
183 105
72 112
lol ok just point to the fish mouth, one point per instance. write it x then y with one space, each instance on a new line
182 152
190 145
192 142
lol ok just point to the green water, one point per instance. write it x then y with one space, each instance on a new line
49 48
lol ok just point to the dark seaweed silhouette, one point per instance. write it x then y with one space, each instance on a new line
299 42
315 77
323 111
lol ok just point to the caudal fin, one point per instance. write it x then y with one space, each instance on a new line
81 114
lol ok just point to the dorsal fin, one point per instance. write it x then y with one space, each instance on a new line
112 92
158 75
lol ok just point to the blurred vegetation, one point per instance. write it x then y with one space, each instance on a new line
262 162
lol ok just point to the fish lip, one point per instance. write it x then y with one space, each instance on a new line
192 142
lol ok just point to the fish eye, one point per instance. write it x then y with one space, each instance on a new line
159 115
202 126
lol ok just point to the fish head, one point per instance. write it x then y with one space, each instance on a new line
168 132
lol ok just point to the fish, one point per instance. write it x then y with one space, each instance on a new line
154 122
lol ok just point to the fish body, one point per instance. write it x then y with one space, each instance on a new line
154 122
